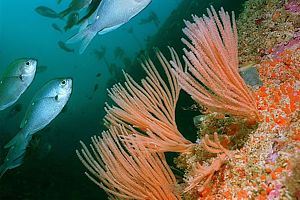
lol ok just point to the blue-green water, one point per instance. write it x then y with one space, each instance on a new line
51 169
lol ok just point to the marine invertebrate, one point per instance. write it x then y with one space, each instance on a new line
212 77
142 125
127 171
149 108
293 179
199 172
263 25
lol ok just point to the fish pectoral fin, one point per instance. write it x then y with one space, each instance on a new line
108 29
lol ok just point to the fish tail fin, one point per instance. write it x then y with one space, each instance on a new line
15 139
64 13
16 153
85 36
3 169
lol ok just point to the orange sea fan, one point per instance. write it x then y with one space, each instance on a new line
149 107
127 171
203 174
212 77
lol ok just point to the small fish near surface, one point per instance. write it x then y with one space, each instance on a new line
15 80
46 12
72 21
44 107
64 47
111 14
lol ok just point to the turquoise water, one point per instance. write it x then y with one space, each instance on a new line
51 169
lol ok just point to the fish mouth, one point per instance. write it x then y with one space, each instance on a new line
69 85
31 67
34 62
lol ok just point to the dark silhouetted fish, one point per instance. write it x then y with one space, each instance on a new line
131 32
151 18
98 74
75 5
96 87
119 52
72 20
46 12
90 10
100 54
64 47
56 27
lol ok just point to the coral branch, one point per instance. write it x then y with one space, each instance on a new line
204 174
212 78
127 171
149 108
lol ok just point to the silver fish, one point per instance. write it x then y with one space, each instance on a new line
111 14
45 106
15 80
16 153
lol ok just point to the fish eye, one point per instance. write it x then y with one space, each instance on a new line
21 77
63 82
27 63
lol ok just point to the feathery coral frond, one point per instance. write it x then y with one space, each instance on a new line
212 78
127 171
204 173
150 108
